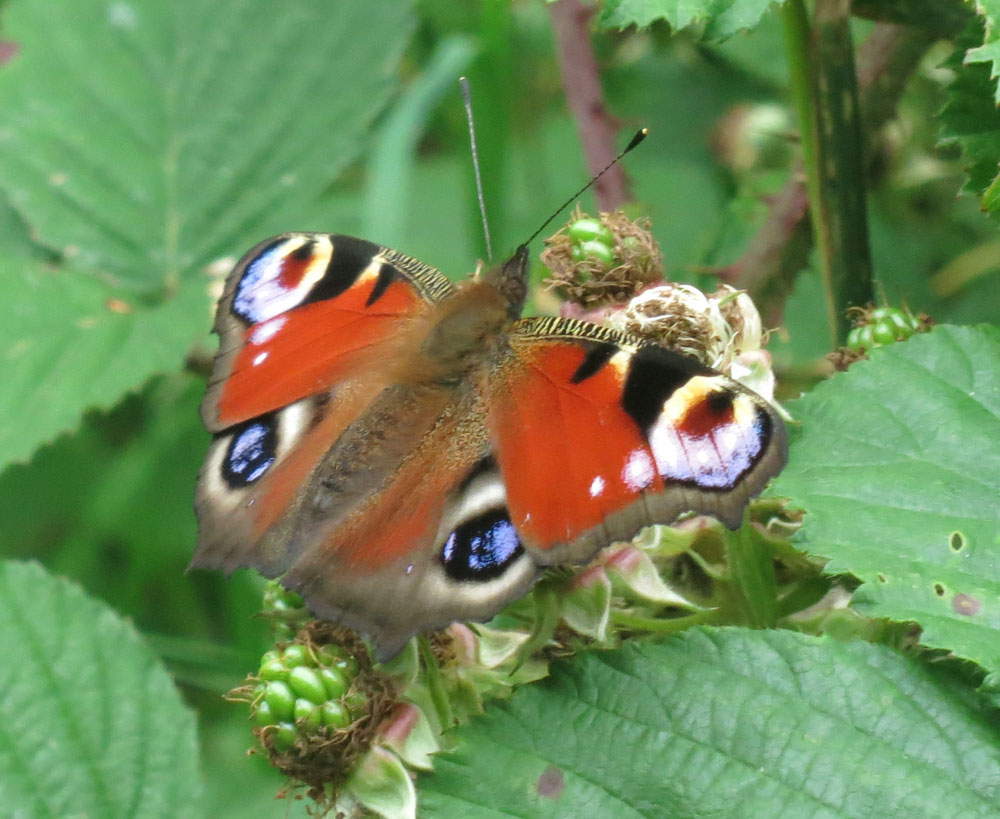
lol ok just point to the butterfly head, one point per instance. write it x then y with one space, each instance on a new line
511 280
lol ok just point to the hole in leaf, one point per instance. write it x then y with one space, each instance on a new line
939 590
957 541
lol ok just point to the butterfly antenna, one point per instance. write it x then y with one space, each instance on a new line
640 135
467 102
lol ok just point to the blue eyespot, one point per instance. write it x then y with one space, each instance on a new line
259 294
252 451
481 548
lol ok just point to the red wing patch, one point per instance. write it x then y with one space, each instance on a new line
310 348
569 454
406 509
302 312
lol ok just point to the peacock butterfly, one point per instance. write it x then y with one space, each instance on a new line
406 452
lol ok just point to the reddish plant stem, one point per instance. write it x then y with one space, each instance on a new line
581 81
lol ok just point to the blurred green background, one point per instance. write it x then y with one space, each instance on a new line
143 143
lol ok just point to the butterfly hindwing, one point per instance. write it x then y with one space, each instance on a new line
598 434
431 544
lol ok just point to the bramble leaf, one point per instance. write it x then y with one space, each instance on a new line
898 469
92 724
142 142
726 722
720 19
970 117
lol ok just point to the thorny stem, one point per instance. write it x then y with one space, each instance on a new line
582 83
840 168
768 267
803 70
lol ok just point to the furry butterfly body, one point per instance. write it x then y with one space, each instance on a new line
406 452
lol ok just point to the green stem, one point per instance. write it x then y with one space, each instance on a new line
795 24
435 683
797 35
751 570
491 76
546 618
662 625
825 94
841 153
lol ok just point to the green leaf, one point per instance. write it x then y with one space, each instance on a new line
142 142
110 506
898 468
190 129
388 198
989 51
92 725
382 784
720 19
69 342
970 117
726 722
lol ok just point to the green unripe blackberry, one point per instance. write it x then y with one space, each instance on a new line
593 249
278 598
589 229
273 670
308 714
335 714
347 666
305 682
355 701
883 325
283 737
263 715
334 681
295 655
280 698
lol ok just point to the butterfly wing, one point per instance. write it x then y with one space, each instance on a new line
306 324
400 482
303 311
598 434
433 544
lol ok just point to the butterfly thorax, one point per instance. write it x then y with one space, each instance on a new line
464 333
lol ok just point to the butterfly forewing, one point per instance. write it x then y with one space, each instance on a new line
302 312
598 434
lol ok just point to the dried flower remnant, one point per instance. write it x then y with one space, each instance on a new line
601 261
